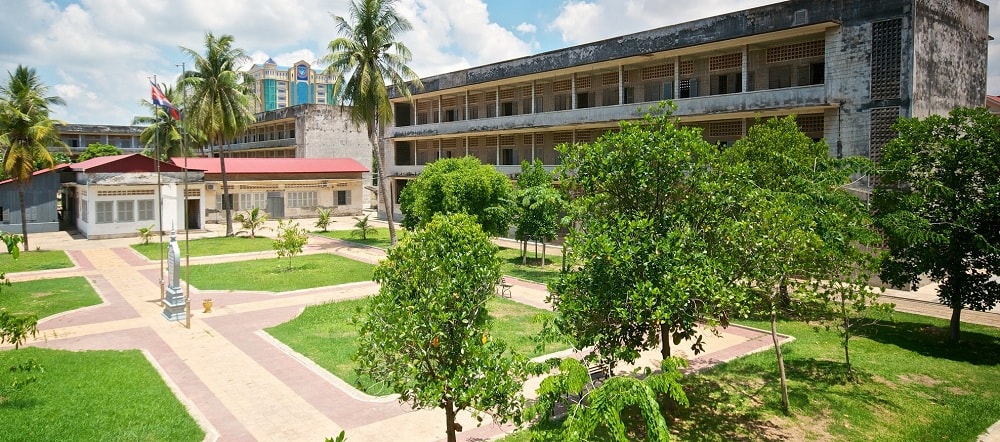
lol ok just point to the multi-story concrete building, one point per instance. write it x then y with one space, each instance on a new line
280 86
847 68
78 136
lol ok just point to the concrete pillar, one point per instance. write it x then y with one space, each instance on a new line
439 110
466 117
677 77
572 93
533 101
621 84
496 103
746 65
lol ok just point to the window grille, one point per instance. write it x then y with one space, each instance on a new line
507 94
726 62
687 67
448 102
491 141
886 59
506 140
526 139
658 71
810 123
449 144
562 85
562 137
795 51
583 82
125 192
609 78
881 129
726 128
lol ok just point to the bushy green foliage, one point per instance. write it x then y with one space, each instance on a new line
938 203
145 234
252 220
458 185
538 206
363 228
95 150
426 334
290 240
323 220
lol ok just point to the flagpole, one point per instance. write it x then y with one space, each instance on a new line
159 190
187 227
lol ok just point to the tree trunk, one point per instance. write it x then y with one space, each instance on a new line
543 254
383 184
226 202
24 217
449 413
953 330
847 347
664 340
781 362
524 252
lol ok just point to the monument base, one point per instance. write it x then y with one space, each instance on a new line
174 306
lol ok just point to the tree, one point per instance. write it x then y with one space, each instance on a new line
252 220
538 207
644 204
163 137
15 328
796 239
95 150
366 58
146 233
939 205
290 240
323 222
426 334
26 130
459 185
362 228
219 100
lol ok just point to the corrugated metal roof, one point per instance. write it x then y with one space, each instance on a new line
123 164
274 165
39 172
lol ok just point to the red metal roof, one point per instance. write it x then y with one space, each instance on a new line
130 163
39 172
274 165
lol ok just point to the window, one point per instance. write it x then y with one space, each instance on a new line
126 211
105 212
249 200
727 83
343 197
507 108
83 211
146 210
300 199
688 88
450 115
508 157
220 206
609 97
584 100
561 102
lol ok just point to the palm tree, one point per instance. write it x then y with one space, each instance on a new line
163 134
364 59
219 100
26 130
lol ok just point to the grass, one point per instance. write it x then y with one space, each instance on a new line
208 246
35 260
273 275
379 238
324 334
533 271
92 395
911 385
47 297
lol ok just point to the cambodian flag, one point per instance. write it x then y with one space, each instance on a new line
161 100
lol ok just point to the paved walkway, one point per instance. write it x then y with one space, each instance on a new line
238 382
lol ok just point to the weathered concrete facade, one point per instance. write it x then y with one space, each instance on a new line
307 131
847 68
78 136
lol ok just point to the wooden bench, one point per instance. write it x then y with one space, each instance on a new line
503 288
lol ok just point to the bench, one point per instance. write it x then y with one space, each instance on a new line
503 288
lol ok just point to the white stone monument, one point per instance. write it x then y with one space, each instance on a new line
174 302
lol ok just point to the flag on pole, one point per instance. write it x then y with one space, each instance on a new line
161 100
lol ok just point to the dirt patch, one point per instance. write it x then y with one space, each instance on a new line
813 429
937 332
41 294
921 379
956 391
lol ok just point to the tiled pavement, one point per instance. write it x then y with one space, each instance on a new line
239 383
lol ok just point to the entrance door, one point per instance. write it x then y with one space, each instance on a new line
193 214
276 204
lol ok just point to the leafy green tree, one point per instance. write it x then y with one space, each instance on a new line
219 100
163 136
459 185
643 207
797 238
26 130
290 240
426 334
367 57
323 220
538 208
95 150
363 228
939 206
15 328
252 220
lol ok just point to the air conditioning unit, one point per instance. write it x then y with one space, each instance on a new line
210 187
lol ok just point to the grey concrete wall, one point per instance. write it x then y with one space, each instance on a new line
327 132
950 53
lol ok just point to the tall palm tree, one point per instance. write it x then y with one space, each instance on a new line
163 134
365 58
220 100
26 130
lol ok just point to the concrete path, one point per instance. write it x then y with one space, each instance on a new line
241 384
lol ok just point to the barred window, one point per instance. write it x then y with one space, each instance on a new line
795 51
146 210
726 62
300 200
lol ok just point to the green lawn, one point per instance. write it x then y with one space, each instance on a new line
92 395
533 271
323 334
912 386
207 246
47 297
35 260
273 274
380 238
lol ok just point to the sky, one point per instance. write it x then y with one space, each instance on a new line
98 54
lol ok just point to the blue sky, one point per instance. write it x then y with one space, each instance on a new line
97 54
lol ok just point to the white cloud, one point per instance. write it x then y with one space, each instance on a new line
526 28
